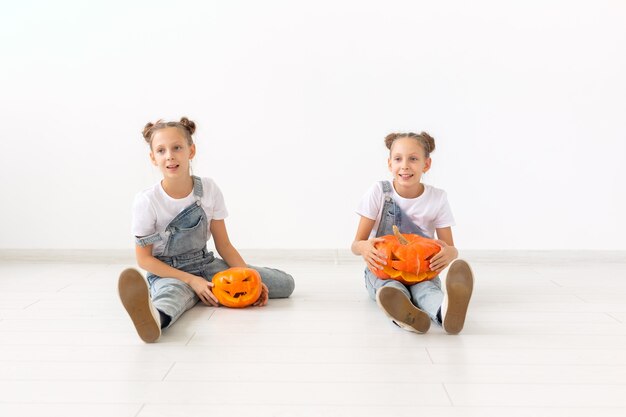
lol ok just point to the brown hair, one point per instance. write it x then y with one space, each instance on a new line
186 126
427 141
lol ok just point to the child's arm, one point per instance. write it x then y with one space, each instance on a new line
365 247
201 287
223 246
448 252
230 255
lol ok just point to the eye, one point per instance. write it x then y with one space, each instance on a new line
178 147
159 150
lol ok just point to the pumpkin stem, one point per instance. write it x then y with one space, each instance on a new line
401 238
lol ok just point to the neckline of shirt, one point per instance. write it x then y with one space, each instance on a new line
426 190
170 198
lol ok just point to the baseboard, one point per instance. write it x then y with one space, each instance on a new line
116 256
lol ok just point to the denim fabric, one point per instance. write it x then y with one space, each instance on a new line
185 249
426 295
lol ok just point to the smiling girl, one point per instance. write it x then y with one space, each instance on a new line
172 222
420 209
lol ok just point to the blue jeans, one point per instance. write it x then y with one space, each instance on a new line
173 297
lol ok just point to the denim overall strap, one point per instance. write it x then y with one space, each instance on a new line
197 187
391 215
148 240
386 188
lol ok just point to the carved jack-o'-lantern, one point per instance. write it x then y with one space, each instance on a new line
237 287
407 257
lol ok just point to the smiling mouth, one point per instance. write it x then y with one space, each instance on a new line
172 166
405 176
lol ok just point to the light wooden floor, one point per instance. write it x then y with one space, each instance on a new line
545 337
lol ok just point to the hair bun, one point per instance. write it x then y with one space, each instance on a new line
147 131
188 124
389 139
428 141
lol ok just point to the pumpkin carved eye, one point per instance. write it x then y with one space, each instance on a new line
237 287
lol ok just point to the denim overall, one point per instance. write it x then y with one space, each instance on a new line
426 295
185 249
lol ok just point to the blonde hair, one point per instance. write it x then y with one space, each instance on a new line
186 126
424 139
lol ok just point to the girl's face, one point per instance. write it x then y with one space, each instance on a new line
407 162
171 153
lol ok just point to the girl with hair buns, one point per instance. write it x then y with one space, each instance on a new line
415 208
172 222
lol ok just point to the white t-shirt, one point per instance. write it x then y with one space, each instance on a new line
153 209
429 211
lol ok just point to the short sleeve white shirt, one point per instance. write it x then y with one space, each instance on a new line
429 211
153 209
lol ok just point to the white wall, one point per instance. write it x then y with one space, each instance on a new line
527 101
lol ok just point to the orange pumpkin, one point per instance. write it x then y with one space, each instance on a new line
237 287
407 257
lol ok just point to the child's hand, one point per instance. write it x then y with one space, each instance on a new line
446 255
372 256
202 288
265 293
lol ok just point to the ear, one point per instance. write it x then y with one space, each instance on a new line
389 163
192 151
427 164
154 162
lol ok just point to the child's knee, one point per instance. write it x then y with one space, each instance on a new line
283 286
